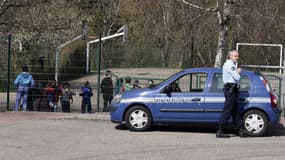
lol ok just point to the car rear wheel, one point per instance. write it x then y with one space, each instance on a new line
138 118
255 123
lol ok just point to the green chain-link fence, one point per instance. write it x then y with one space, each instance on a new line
141 64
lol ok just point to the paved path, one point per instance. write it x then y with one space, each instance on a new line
57 137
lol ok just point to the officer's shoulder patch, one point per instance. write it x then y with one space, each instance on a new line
233 68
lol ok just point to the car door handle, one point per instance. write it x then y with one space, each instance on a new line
196 99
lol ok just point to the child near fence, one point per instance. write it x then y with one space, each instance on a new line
66 97
86 93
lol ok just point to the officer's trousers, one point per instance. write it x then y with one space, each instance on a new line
230 107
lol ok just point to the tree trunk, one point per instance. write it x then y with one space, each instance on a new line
165 51
223 19
186 50
221 46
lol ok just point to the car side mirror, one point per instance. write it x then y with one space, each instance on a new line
167 90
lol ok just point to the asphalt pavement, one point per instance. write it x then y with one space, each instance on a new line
75 136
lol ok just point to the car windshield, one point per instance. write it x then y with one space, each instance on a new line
173 75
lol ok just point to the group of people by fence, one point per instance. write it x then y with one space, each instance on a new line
35 96
127 84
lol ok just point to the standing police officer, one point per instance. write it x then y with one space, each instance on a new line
231 76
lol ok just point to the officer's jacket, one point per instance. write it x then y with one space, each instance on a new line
230 74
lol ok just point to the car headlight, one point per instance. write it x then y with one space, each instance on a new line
117 98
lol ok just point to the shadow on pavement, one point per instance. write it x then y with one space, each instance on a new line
276 130
195 128
121 127
177 128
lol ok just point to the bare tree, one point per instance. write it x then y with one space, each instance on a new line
165 51
223 13
2 7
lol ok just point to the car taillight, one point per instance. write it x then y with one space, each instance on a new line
273 100
265 82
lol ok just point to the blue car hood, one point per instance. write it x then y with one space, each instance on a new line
138 92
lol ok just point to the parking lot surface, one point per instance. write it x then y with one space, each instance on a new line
50 136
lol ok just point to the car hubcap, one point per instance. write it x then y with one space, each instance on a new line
254 123
138 119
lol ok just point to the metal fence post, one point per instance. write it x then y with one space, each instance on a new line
9 71
99 72
283 85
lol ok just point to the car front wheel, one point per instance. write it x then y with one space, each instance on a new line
255 122
138 118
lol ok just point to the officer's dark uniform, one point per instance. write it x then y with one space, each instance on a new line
230 79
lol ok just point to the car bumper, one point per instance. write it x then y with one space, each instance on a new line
275 115
278 111
117 111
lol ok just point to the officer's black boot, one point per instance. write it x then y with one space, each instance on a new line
221 134
243 133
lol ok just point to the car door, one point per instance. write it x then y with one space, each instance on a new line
184 100
214 98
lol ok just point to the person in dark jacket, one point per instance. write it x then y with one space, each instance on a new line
107 90
86 93
22 83
37 92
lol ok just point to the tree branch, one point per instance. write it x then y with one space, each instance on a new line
37 28
194 6
4 9
2 5
195 19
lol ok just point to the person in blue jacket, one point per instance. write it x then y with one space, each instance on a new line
22 83
86 93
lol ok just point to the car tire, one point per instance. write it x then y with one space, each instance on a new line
138 118
255 123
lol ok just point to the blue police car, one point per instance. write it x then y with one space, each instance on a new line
196 95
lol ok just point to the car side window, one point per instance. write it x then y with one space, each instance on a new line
217 84
194 82
244 84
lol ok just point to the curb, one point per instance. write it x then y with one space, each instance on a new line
86 116
103 116
10 116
